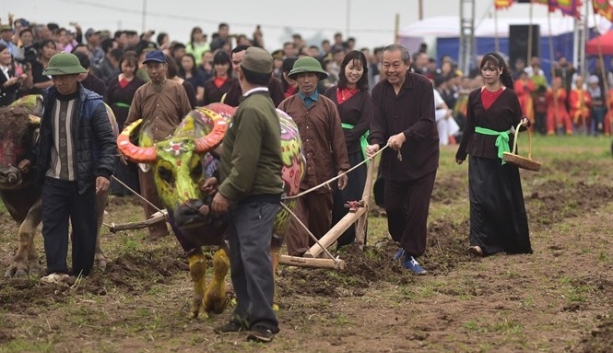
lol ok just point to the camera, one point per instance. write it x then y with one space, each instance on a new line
30 55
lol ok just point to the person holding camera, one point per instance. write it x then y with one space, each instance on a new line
36 81
10 82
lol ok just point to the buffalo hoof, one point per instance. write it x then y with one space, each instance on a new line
15 272
101 263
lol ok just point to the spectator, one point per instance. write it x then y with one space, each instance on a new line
119 96
108 68
89 80
195 77
197 44
235 92
220 83
10 81
223 37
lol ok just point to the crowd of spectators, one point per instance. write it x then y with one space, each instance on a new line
573 102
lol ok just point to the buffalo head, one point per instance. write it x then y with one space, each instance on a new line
18 129
178 163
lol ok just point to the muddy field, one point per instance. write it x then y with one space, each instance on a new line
559 299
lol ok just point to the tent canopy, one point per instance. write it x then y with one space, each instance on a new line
604 41
449 26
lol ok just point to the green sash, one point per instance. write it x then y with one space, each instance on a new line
502 141
363 139
122 105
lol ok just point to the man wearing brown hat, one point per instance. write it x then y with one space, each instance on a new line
161 104
250 189
325 150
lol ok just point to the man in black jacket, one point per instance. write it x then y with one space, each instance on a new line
75 157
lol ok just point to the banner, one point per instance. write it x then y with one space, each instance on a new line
569 7
603 8
551 3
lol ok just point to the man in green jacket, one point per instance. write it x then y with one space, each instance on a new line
250 189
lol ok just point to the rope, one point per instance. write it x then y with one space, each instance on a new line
135 193
325 183
308 231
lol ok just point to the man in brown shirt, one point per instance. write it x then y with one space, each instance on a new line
324 147
161 104
403 118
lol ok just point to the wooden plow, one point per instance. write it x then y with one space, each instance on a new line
358 213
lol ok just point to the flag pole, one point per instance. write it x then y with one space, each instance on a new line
602 71
530 35
496 41
553 71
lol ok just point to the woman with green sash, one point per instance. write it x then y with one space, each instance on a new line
355 109
498 220
119 96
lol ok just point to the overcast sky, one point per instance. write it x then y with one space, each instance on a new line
371 22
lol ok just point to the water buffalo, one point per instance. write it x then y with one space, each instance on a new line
180 165
19 124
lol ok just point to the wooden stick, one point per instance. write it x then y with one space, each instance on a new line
347 221
312 263
155 218
360 232
339 228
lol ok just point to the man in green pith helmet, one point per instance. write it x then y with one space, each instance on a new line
75 157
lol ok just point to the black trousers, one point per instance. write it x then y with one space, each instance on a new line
407 204
353 192
251 227
61 201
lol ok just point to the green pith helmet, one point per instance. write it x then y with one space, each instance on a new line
307 64
64 64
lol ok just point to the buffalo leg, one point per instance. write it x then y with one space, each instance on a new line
275 252
26 254
215 298
197 271
99 258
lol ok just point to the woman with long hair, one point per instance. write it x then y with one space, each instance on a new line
190 73
354 106
197 44
172 75
119 96
222 79
498 220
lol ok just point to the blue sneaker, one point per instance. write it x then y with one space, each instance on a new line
399 254
411 264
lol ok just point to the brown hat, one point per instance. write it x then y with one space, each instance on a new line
257 60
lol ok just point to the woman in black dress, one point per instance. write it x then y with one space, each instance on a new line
498 219
355 108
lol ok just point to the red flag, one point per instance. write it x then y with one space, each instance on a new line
603 8
503 4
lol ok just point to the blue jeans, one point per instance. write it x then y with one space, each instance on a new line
251 228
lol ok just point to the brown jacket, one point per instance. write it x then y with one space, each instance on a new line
322 137
163 110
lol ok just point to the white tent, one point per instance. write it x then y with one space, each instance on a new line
449 26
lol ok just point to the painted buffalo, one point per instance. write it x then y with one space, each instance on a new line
19 125
180 165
